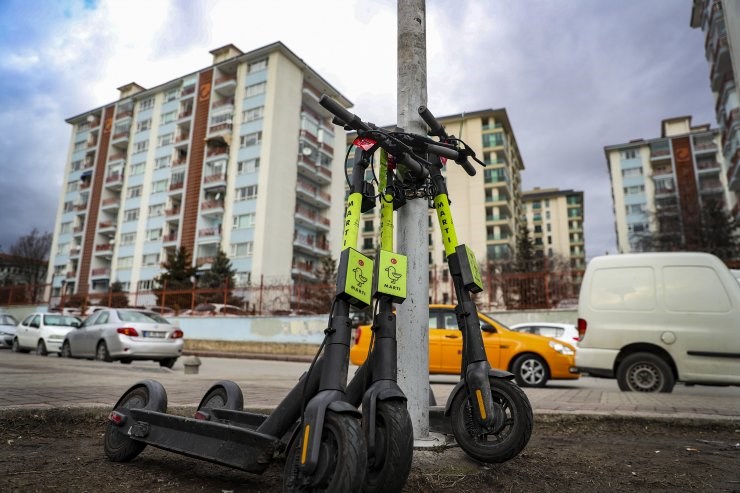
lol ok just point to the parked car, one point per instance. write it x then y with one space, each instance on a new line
654 319
531 358
43 332
214 310
562 332
7 330
125 334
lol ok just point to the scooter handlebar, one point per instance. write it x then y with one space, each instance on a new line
349 118
412 165
435 127
467 167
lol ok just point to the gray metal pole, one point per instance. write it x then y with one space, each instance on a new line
413 314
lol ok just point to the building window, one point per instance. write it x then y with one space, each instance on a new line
146 104
144 125
125 262
255 89
156 210
634 189
248 166
72 186
257 66
253 114
171 95
241 249
159 186
630 153
80 145
251 139
626 173
168 117
150 259
133 192
154 234
635 208
145 285
246 193
63 248
162 162
165 140
65 228
142 146
128 238
493 140
137 169
244 221
130 215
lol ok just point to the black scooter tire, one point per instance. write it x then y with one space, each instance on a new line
223 395
148 394
394 442
342 460
512 428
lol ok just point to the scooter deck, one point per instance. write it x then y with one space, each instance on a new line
231 446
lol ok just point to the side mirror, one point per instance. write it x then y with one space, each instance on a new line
35 325
75 324
487 328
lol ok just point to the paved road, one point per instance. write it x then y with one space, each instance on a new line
39 382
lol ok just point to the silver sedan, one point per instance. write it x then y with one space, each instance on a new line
125 335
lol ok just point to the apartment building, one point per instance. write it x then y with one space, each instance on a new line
675 175
486 207
238 156
720 22
555 222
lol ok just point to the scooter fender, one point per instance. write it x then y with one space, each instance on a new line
460 386
313 425
384 390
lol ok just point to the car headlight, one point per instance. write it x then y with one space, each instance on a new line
562 349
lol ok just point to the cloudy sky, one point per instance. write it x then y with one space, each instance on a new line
574 76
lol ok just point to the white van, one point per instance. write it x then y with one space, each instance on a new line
654 319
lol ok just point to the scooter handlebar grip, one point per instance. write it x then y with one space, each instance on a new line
340 112
416 169
443 151
467 167
429 119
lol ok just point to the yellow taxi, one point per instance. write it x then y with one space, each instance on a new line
533 359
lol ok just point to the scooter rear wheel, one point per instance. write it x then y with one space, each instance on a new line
223 395
148 394
342 458
389 467
510 432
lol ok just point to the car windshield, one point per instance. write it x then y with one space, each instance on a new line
501 324
134 316
8 320
61 321
156 317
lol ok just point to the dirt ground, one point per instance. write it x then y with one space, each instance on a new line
61 450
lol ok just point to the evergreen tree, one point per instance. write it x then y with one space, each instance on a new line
526 258
118 299
720 232
177 277
219 280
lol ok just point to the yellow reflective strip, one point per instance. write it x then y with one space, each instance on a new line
386 223
446 226
482 406
352 221
305 445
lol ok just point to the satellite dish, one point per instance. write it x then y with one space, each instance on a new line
306 151
218 195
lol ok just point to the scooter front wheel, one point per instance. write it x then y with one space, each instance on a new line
223 395
148 394
342 458
389 465
510 432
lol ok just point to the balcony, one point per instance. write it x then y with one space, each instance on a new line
220 130
172 212
212 207
225 85
704 146
187 91
710 187
720 62
733 174
70 274
309 218
106 227
100 272
120 115
78 230
176 187
497 219
308 168
215 180
217 152
707 166
185 114
312 195
305 270
223 105
120 139
110 203
74 252
310 244
207 235
114 181
170 238
733 118
662 171
660 154
81 207
201 261
117 157
105 249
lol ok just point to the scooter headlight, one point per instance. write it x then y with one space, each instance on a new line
561 348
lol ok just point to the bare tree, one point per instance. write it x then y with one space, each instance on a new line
31 253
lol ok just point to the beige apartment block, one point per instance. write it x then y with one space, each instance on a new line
720 22
678 173
237 156
555 223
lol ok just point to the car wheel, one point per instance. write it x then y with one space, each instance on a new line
16 348
66 351
102 354
645 372
167 363
41 348
530 371
125 361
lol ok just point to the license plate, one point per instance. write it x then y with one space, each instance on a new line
159 335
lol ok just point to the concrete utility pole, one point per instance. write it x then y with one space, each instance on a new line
413 314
